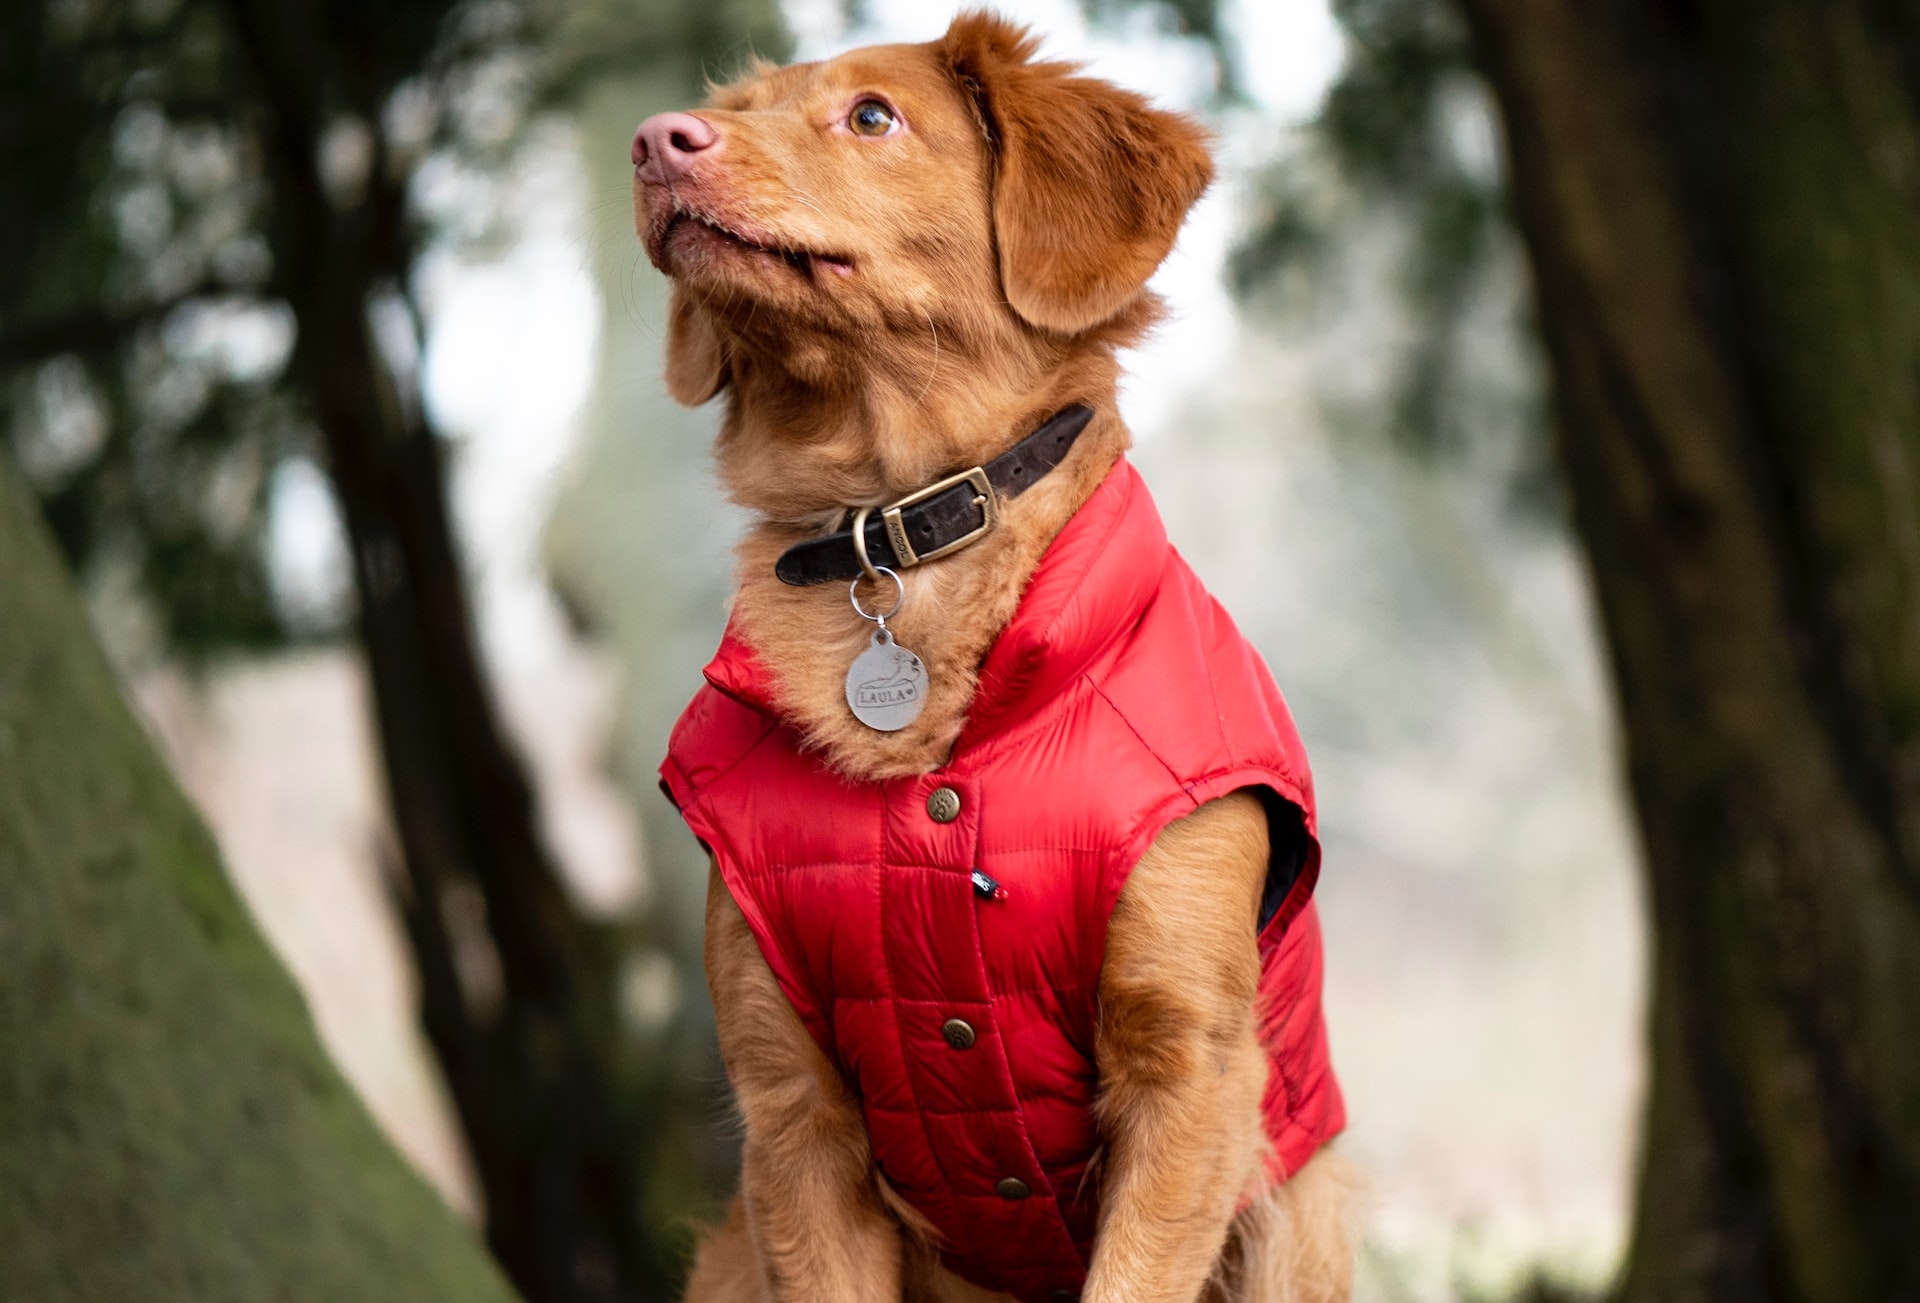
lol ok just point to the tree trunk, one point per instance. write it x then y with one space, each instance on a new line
170 1127
1719 202
520 991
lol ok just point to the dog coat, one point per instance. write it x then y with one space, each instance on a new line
1119 698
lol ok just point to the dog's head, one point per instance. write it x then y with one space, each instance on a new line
958 188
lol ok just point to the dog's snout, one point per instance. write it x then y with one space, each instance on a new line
666 145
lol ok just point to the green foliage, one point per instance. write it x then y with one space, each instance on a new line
1404 153
670 42
144 333
1381 117
1194 19
1186 17
131 217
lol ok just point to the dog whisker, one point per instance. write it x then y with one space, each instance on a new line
933 368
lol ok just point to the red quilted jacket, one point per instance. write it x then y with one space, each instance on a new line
1118 699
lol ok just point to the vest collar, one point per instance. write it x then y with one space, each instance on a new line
1091 586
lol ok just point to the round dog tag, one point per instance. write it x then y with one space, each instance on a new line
887 685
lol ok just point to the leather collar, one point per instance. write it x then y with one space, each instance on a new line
941 518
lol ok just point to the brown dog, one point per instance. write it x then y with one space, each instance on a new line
897 263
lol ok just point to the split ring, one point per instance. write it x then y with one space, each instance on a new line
860 546
853 595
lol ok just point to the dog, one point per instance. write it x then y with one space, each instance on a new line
1009 925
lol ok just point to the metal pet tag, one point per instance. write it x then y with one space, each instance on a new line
887 684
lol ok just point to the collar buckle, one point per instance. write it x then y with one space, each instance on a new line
984 499
933 515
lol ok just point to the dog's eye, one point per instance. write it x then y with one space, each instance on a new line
870 118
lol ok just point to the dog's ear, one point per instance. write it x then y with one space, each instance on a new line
696 355
1090 182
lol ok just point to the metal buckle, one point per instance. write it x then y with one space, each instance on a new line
897 529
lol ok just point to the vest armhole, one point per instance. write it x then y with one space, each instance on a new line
1289 847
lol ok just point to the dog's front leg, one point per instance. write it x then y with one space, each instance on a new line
1181 1067
814 1212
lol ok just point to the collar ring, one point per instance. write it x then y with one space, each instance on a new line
860 551
899 600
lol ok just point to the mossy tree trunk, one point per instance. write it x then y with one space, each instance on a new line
1721 202
170 1127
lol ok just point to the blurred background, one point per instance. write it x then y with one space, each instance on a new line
410 616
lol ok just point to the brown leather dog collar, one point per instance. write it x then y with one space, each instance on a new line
941 518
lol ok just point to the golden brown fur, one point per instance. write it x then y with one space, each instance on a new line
878 313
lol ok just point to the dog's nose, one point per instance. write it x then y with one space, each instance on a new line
667 143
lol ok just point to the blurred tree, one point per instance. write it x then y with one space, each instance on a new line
212 218
1719 205
1717 202
170 1126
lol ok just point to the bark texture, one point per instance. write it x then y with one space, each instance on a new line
1719 201
170 1127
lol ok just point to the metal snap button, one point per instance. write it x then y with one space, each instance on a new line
1012 1187
959 1033
943 806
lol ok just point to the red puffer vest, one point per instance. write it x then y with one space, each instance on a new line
1118 699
